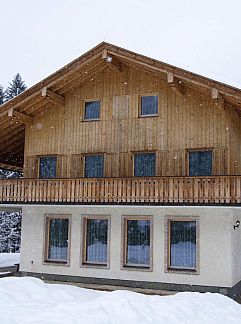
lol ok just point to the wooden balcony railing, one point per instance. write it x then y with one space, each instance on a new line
156 190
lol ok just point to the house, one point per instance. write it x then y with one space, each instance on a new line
132 174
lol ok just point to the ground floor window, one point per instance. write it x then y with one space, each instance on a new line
137 239
95 240
57 239
182 244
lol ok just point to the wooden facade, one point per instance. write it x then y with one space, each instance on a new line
192 121
193 114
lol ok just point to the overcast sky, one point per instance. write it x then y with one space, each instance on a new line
39 37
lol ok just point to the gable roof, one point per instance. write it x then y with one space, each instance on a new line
15 113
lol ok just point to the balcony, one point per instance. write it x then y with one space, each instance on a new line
154 190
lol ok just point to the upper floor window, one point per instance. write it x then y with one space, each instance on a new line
149 105
57 239
144 164
92 110
47 167
94 166
200 163
137 242
182 244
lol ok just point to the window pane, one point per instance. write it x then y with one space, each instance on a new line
96 240
58 239
200 163
145 165
47 167
94 166
149 105
138 242
92 110
183 244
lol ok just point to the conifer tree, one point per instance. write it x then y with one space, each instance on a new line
2 95
15 87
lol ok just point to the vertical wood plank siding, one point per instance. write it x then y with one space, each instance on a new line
183 122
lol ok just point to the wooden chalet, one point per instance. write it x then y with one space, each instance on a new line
116 129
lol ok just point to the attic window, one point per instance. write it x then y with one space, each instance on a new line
92 110
149 106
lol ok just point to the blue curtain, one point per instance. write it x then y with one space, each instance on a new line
145 165
200 163
58 239
47 167
94 166
97 236
138 242
183 244
92 110
149 105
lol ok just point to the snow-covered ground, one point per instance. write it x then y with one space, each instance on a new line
31 301
9 259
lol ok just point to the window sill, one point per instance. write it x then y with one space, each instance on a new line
90 120
56 263
151 115
95 265
183 271
136 268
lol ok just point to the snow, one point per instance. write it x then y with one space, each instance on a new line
30 300
9 259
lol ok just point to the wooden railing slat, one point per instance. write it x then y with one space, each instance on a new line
208 190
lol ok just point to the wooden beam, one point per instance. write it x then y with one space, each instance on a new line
13 133
113 61
217 97
86 79
71 83
104 54
176 84
10 167
52 96
22 118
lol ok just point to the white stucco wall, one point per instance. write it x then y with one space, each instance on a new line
236 248
215 245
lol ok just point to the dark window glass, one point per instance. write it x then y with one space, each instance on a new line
94 166
96 240
149 105
138 242
183 244
200 163
58 239
92 110
145 165
47 167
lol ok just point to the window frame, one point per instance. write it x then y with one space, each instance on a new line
140 106
168 267
89 264
91 100
47 156
124 264
133 163
46 260
93 154
203 149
